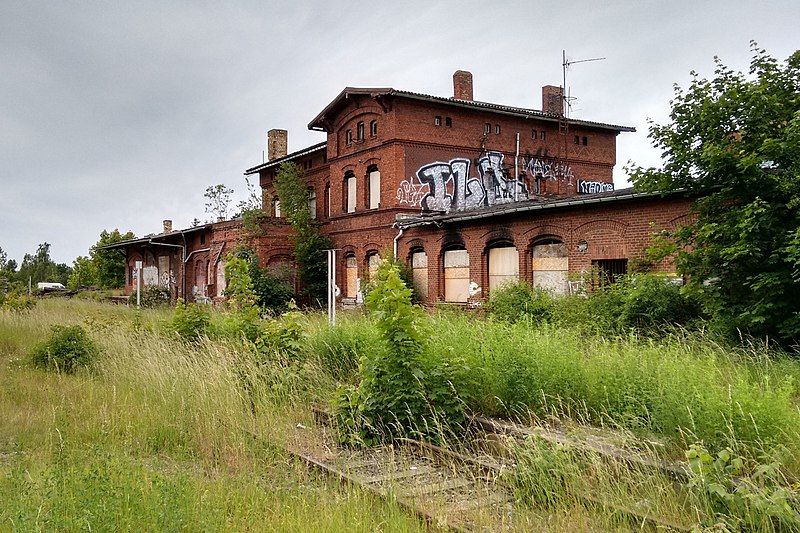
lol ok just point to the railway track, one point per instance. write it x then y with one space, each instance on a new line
457 491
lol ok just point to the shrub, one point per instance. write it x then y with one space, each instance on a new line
151 296
67 349
404 391
284 337
652 302
273 291
17 302
191 321
514 302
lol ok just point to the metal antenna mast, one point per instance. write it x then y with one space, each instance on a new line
563 119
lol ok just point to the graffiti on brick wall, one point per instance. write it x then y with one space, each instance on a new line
448 186
538 167
591 187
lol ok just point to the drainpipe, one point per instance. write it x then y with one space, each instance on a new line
516 169
397 238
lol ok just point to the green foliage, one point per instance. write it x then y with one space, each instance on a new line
244 318
514 302
545 475
191 321
107 270
652 302
67 349
273 291
309 244
84 273
744 495
17 301
284 339
40 267
404 392
734 141
151 296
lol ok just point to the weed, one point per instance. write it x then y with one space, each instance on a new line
67 349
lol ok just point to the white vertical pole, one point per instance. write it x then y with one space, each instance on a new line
138 283
333 287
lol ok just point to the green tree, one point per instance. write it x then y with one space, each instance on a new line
734 142
218 200
108 264
40 267
83 273
309 244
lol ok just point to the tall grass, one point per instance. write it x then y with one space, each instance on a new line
161 435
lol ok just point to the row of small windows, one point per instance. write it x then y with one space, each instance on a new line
541 134
579 140
448 122
487 129
372 197
373 132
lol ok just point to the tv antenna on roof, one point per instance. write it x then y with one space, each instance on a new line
564 91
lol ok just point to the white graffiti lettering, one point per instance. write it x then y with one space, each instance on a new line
591 187
447 186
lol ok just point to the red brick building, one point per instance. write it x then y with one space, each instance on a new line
470 194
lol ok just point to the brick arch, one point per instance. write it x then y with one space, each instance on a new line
682 220
357 112
546 230
603 225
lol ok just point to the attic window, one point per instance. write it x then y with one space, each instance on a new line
360 131
497 129
577 140
533 134
373 128
487 128
585 141
541 135
437 121
448 122
348 136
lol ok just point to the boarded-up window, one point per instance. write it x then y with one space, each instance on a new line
199 278
351 276
503 266
221 285
373 262
456 276
419 269
374 189
163 271
351 194
550 265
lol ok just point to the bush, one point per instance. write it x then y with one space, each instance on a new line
652 302
17 302
152 296
272 291
404 390
191 321
513 302
67 349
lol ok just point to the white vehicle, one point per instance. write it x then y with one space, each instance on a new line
49 287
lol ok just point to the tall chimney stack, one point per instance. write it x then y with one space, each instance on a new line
462 85
552 100
276 144
167 226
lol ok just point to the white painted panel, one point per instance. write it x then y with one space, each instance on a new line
374 189
351 194
456 290
419 260
421 282
456 258
221 285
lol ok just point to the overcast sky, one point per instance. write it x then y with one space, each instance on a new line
120 114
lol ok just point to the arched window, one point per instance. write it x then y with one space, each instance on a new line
312 203
276 207
349 192
350 276
360 131
550 264
373 128
503 266
456 276
419 269
373 262
374 182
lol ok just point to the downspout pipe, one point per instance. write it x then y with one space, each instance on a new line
397 238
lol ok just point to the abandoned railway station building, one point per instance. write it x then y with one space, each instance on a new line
470 194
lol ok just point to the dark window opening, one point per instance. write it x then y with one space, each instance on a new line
349 136
360 131
202 238
497 129
608 271
585 141
448 122
541 135
437 121
577 140
324 158
533 134
373 128
487 128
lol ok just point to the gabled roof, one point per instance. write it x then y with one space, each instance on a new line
319 121
319 147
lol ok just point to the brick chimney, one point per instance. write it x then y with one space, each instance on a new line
552 100
276 144
462 85
167 226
